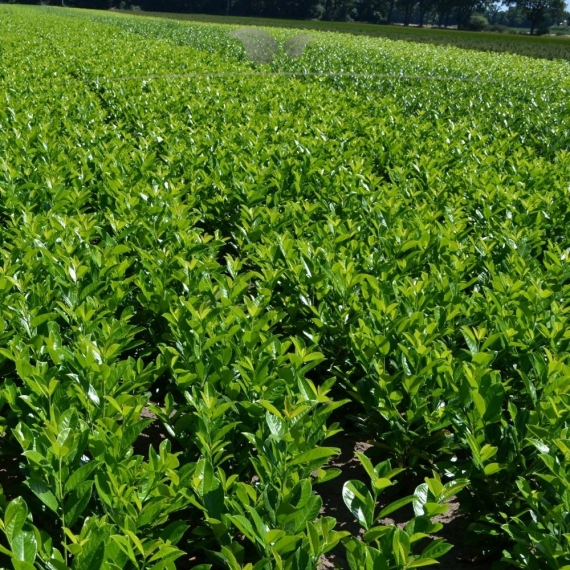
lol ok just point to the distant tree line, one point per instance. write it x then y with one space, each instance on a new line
444 13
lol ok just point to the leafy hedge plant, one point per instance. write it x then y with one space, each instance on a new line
210 285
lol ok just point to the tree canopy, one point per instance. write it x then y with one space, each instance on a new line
520 13
538 11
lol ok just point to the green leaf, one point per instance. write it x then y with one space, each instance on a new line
301 560
270 408
214 499
77 502
104 489
273 536
324 475
420 499
494 398
174 532
436 549
22 565
319 454
44 494
470 339
492 468
300 494
421 563
228 557
24 545
286 544
479 402
396 505
314 539
277 426
92 556
15 518
367 464
488 451
79 475
297 520
451 489
36 457
125 545
136 541
381 483
40 319
432 509
245 527
377 532
151 512
359 501
400 546
203 477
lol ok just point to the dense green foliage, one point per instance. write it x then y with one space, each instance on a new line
528 13
210 267
545 47
539 11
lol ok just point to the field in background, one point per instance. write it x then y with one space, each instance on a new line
308 314
535 46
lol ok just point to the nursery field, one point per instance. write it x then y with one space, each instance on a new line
548 47
310 313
